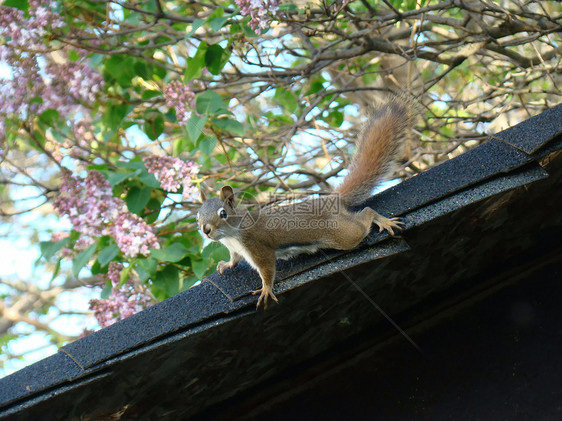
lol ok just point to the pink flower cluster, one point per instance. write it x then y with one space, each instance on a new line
76 79
133 235
37 81
260 11
94 212
173 174
64 88
84 135
179 96
124 301
28 32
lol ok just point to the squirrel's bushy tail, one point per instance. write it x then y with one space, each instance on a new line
377 148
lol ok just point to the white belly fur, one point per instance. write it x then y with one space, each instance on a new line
235 246
288 252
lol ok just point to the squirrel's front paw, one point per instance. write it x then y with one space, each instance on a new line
265 293
222 266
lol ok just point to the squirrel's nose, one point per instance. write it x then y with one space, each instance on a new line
206 230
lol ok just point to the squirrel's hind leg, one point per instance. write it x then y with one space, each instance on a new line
384 223
358 226
349 230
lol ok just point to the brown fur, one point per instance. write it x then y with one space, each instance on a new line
377 149
331 225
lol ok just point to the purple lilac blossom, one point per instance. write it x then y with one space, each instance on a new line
78 79
173 174
124 300
179 96
260 12
133 235
27 33
94 212
84 135
66 87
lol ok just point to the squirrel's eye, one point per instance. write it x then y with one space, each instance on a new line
222 213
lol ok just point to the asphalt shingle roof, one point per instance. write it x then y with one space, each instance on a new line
208 343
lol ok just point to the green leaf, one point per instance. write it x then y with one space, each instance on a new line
216 58
153 124
141 69
230 125
159 72
115 178
286 99
49 117
96 268
189 281
133 164
50 248
138 198
36 100
197 23
82 259
98 167
209 102
106 291
334 118
199 267
40 140
55 271
207 145
142 273
149 180
150 94
316 86
107 254
195 64
215 251
154 206
182 144
167 280
120 68
150 265
73 55
217 23
124 275
213 58
22 5
146 268
195 126
288 7
173 253
114 115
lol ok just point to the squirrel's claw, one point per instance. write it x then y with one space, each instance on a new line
265 294
389 224
222 266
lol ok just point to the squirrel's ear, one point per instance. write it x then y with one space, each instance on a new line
202 194
226 194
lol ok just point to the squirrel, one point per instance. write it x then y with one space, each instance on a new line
324 222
